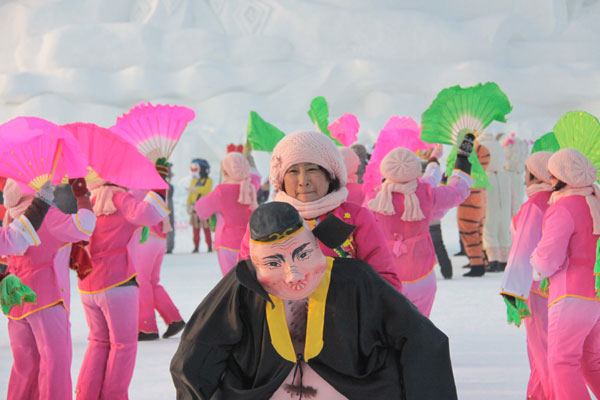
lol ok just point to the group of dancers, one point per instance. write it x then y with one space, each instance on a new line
279 274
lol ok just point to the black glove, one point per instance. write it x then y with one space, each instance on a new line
464 151
36 212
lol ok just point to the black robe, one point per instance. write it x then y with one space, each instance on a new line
375 343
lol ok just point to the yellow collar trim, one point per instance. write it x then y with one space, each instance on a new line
280 335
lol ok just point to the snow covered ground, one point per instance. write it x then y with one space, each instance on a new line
488 355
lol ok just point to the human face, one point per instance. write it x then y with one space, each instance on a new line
305 182
291 269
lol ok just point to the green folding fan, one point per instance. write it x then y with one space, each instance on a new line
260 134
319 115
456 109
581 131
13 292
545 143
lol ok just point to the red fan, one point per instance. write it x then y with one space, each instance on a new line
114 159
154 130
35 151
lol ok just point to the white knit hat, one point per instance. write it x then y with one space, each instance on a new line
537 164
573 168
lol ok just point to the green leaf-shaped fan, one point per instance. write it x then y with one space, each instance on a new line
581 131
13 292
319 115
456 109
546 143
260 134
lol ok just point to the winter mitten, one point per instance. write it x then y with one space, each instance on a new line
36 212
46 193
462 155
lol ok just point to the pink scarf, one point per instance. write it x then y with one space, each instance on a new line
592 197
314 209
538 187
247 191
382 203
104 199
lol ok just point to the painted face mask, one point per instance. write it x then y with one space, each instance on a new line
195 170
292 268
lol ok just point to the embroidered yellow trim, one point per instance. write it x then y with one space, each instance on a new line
573 295
160 201
513 295
41 308
27 226
423 277
79 226
110 287
279 237
280 335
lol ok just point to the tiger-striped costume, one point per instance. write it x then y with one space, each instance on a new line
471 215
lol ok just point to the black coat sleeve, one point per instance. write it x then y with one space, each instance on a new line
423 349
207 342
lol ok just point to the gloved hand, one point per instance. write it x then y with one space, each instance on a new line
462 154
162 167
78 186
46 193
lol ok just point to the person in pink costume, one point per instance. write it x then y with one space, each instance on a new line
147 258
403 208
517 281
40 333
110 292
308 172
565 255
233 201
352 162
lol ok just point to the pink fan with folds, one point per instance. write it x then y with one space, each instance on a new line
397 132
154 130
114 159
35 151
344 129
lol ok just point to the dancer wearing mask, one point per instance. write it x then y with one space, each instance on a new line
566 254
293 323
471 220
110 292
308 172
517 282
40 333
403 208
233 202
201 185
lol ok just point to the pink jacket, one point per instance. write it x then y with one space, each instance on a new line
526 231
366 242
17 237
232 217
111 265
410 242
355 193
156 229
37 268
566 253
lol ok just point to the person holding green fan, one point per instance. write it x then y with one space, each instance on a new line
566 255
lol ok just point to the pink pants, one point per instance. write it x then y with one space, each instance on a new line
227 259
107 369
421 293
148 261
41 346
538 387
574 348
